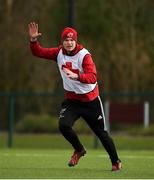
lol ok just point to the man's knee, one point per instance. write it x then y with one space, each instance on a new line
63 127
102 134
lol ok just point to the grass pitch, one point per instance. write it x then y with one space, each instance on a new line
42 164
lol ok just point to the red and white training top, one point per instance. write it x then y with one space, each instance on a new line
80 62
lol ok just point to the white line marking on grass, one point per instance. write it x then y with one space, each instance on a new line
130 156
34 155
54 154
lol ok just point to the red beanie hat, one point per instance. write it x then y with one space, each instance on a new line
69 33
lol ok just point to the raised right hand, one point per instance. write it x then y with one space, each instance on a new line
33 31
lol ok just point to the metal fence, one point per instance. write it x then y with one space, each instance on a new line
15 106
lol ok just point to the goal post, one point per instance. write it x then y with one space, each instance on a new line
146 114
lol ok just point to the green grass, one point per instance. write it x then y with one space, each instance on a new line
41 156
56 141
42 164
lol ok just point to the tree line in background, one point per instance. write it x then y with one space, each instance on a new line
119 34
